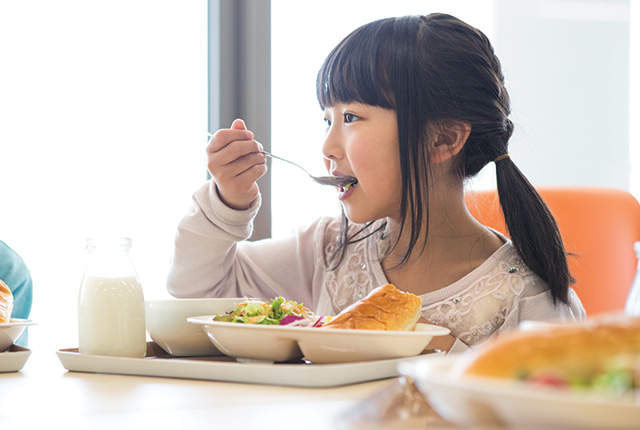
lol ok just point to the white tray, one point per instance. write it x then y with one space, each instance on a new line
223 368
14 358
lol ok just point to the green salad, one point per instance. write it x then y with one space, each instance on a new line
276 311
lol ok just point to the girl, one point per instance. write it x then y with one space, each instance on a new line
413 107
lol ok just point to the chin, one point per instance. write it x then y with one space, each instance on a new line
357 217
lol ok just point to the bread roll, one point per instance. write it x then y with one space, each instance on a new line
6 303
573 351
385 308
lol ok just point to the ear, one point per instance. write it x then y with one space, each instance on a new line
450 137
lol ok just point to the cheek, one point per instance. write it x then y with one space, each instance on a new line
367 168
381 160
360 158
379 173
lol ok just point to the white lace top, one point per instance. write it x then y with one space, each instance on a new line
213 259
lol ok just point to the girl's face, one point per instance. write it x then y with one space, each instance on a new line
362 141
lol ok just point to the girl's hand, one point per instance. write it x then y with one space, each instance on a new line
236 162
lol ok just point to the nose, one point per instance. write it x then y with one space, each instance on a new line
332 146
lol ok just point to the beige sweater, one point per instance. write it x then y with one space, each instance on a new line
213 259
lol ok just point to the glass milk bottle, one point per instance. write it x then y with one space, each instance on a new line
633 300
111 304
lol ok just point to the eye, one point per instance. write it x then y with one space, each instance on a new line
328 121
349 118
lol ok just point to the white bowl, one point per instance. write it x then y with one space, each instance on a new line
168 327
10 332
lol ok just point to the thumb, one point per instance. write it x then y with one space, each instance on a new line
238 124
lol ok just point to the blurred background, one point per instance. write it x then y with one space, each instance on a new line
105 108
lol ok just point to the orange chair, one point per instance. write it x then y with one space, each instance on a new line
599 226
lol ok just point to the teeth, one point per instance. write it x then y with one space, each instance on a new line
348 186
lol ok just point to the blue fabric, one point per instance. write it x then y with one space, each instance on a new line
14 272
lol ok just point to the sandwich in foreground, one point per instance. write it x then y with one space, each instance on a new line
600 354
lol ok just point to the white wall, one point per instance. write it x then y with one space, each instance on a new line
567 69
634 97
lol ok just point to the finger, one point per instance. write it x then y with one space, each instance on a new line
236 151
240 178
238 124
251 171
230 171
224 137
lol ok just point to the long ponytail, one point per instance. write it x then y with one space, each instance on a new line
533 229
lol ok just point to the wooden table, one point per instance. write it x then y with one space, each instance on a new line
44 394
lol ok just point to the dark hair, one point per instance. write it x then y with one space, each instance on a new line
431 69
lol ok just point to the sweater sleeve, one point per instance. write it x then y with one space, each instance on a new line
212 257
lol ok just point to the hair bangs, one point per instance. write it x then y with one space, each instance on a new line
357 70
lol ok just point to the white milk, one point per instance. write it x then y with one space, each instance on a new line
111 317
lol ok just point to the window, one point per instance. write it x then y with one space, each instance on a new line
103 126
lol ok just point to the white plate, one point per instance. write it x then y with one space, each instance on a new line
10 332
317 345
474 402
222 368
13 359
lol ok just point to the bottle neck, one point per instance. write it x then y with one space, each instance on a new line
109 258
121 244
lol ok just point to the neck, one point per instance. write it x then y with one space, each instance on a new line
452 245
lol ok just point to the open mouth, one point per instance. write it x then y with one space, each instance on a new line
346 187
